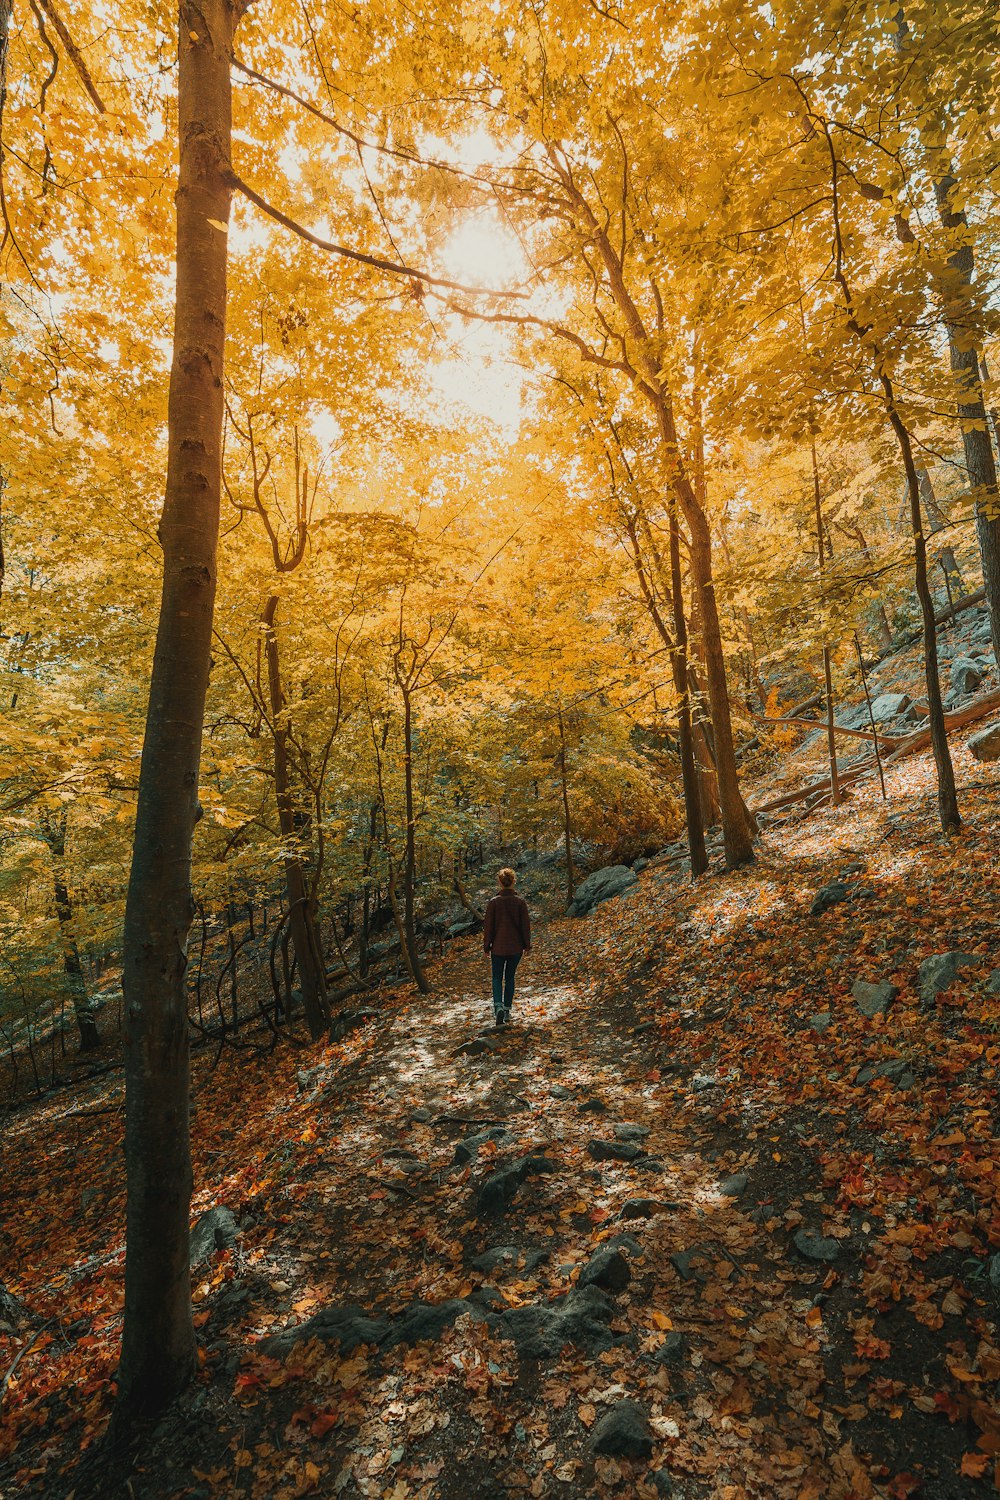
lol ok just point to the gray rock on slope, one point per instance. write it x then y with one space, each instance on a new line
873 999
966 675
623 1432
940 971
986 744
601 886
215 1229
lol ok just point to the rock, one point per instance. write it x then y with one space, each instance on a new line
509 1257
966 675
581 1317
559 1091
641 1208
821 1021
349 1326
735 1186
603 885
816 1247
663 1483
630 1132
497 1193
638 865
873 999
994 1272
625 1241
12 1311
993 983
938 972
424 1320
422 1116
702 1081
671 1352
829 895
215 1229
477 1046
623 1432
468 1149
608 1269
592 1106
885 707
613 1150
985 745
681 1261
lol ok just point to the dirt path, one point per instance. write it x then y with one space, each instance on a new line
709 1356
665 1236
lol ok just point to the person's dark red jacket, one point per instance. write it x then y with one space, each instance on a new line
507 929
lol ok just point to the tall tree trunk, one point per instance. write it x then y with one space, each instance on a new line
980 462
301 905
831 737
936 522
567 821
158 1344
55 835
693 809
869 342
410 856
676 644
6 10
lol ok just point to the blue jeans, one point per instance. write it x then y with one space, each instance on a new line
503 979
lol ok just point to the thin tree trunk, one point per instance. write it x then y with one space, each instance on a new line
410 856
158 1344
831 738
567 821
301 907
980 463
954 586
947 798
677 645
693 810
55 834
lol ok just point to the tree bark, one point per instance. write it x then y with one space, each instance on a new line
980 462
158 1344
410 855
936 519
301 903
567 821
55 836
831 741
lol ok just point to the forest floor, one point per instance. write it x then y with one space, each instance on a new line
739 1236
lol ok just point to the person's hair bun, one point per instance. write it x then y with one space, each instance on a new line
507 877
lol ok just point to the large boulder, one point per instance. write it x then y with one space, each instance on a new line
985 745
938 972
601 886
581 1318
966 675
890 706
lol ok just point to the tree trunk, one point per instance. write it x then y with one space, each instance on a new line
55 835
693 810
936 519
301 904
567 821
831 739
677 646
956 289
158 1344
947 796
410 857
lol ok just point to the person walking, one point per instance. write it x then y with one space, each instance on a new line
506 935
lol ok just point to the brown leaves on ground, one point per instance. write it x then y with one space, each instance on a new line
760 1372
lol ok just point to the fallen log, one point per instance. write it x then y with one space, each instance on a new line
902 746
858 734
